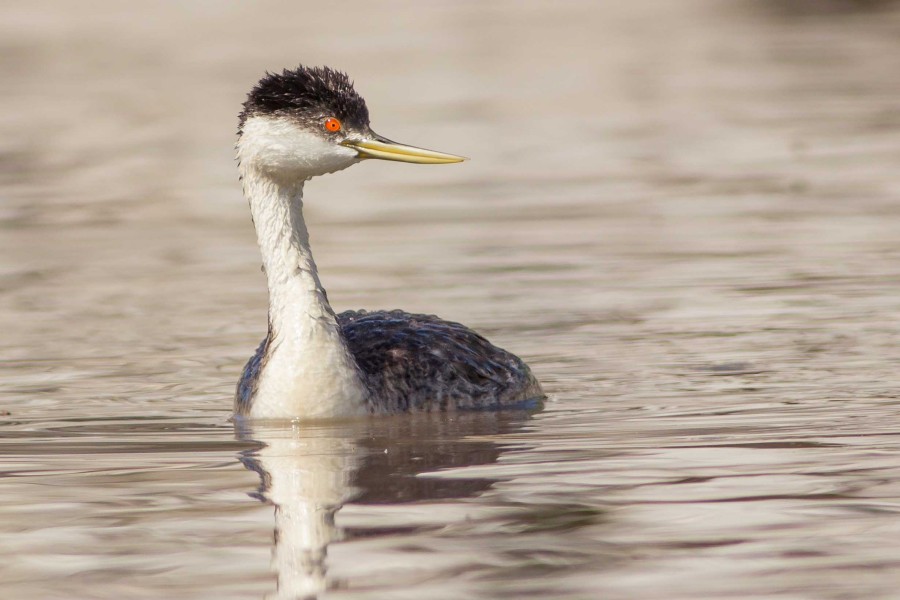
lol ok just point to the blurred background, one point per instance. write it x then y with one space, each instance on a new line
682 214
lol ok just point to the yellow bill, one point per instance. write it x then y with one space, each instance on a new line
385 149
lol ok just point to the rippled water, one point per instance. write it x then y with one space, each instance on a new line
682 214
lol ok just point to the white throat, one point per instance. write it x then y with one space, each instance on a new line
309 371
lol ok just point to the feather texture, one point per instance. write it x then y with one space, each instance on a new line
413 362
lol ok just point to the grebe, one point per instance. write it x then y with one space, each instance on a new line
316 364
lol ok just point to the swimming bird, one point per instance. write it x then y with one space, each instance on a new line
313 363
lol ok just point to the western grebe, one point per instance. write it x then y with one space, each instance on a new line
316 364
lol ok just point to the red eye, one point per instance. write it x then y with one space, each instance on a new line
332 124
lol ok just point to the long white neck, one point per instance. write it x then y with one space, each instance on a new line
308 371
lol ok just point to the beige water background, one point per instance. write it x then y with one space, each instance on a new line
683 214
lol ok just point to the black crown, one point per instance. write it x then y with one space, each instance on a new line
307 94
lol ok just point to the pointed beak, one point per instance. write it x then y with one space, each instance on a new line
379 147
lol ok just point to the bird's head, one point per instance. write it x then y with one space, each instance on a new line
310 121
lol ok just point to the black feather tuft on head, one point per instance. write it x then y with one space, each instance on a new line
307 94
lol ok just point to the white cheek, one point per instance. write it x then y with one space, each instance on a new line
279 147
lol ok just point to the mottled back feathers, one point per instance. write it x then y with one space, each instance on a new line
421 362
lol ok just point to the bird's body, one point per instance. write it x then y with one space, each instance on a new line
314 363
412 362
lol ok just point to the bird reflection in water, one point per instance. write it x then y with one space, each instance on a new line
308 472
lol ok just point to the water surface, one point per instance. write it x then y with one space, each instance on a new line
683 215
